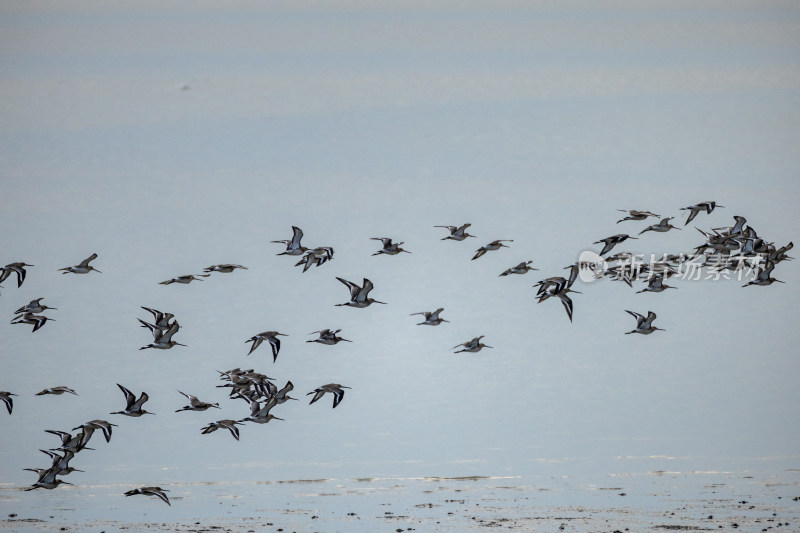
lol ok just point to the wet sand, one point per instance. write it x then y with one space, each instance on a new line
660 501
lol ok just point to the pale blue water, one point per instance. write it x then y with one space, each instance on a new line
167 141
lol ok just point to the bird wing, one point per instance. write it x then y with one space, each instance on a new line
152 327
39 321
166 336
364 292
275 343
567 301
648 322
155 312
85 262
264 410
256 343
105 426
338 394
9 403
639 318
297 234
286 389
130 398
354 289
608 246
138 404
159 494
318 393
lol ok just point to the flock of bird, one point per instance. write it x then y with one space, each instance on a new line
725 250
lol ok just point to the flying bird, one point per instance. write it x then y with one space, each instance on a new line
494 245
359 294
195 404
58 462
151 491
47 480
35 306
708 207
162 339
522 268
316 257
457 233
389 247
764 277
612 241
225 269
643 325
70 443
133 406
160 320
185 279
17 268
559 286
29 318
293 246
334 388
57 391
475 345
261 414
89 427
661 227
227 423
431 317
5 396
656 284
271 337
633 214
81 268
327 336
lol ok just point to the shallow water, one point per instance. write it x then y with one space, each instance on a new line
747 501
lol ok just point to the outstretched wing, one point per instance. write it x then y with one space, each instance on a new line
354 289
